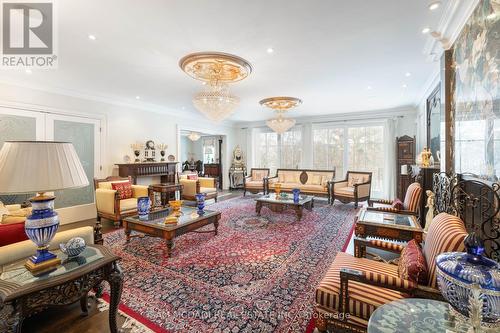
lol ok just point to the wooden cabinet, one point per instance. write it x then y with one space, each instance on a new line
166 170
213 170
405 156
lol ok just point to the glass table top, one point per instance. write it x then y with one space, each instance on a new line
387 218
285 198
415 315
157 218
16 272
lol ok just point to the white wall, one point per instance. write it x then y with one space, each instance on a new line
122 125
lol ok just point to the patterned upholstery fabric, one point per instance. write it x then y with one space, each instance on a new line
363 298
259 175
124 189
446 234
254 183
386 245
413 196
412 265
357 178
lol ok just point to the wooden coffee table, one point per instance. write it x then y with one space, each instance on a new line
154 224
278 204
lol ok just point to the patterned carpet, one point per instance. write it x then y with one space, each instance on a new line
257 275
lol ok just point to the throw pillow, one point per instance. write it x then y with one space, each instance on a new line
124 189
412 265
193 177
12 233
398 204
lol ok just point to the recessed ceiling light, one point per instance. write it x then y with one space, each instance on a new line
407 74
184 108
270 50
434 5
405 86
92 37
369 88
137 97
28 71
492 16
426 30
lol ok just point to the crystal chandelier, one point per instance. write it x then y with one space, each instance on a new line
280 105
280 124
193 136
216 70
216 102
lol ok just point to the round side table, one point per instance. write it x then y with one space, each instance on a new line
414 315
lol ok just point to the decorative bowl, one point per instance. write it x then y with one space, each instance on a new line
74 247
470 282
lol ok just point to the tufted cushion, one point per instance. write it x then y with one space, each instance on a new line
412 265
398 204
413 196
446 234
124 189
363 298
12 233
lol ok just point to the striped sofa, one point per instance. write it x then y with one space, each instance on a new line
354 287
411 203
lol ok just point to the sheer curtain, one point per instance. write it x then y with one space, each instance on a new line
390 159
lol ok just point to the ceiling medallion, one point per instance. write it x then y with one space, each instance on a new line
217 70
193 136
280 105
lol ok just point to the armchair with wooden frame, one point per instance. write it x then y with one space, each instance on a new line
108 202
197 185
354 287
356 187
411 204
255 182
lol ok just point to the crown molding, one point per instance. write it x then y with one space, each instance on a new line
408 110
188 116
455 15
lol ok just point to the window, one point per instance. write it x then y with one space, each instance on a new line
275 151
209 150
470 152
356 148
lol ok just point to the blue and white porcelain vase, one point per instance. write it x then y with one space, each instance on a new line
41 226
200 203
143 204
74 247
470 282
296 195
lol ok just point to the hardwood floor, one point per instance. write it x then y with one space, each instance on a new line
69 319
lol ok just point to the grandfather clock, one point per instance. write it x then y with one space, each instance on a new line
405 157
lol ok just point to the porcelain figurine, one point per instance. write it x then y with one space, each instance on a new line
431 197
74 247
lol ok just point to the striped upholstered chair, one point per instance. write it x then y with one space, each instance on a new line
411 203
357 286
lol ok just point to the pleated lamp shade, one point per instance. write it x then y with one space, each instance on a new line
39 166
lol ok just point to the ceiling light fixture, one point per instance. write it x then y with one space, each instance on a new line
193 136
280 105
407 74
369 88
92 37
216 70
433 5
270 50
426 30
137 97
405 86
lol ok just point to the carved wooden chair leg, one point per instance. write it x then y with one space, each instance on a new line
84 305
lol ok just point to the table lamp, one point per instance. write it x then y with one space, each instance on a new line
40 167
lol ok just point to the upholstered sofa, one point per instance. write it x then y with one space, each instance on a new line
194 185
357 286
356 187
109 204
254 183
314 182
24 249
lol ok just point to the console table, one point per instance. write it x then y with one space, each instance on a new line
166 170
22 294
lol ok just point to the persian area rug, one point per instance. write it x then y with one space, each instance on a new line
258 275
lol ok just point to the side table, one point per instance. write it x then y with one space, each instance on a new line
22 294
415 315
165 191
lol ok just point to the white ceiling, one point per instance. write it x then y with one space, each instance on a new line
326 52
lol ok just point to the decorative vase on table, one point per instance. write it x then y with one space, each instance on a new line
143 205
176 207
296 195
200 203
470 282
277 190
